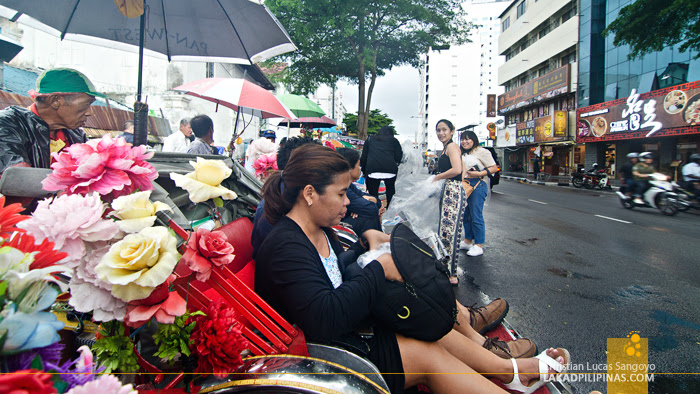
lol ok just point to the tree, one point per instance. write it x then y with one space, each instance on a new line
358 40
651 25
376 119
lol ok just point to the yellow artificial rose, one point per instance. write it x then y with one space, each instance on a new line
204 182
136 211
140 262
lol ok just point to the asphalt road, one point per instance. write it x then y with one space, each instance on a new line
577 268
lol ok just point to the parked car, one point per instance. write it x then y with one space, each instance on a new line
495 178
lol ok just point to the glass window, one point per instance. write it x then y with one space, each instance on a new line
506 24
663 58
646 82
623 88
521 9
679 57
635 67
610 59
649 63
613 5
694 70
585 28
584 49
611 91
584 65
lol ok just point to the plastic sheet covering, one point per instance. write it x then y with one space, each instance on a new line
367 257
417 198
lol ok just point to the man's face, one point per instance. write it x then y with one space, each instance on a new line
73 111
186 129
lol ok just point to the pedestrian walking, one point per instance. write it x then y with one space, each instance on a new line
478 164
453 200
380 160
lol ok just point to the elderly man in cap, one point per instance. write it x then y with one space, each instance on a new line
61 106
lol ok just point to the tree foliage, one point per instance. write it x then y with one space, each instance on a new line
358 40
377 119
651 25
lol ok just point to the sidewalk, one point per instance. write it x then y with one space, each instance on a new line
553 180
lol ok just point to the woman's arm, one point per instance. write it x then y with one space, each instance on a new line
478 174
452 152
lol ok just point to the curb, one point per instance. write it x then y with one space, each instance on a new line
541 183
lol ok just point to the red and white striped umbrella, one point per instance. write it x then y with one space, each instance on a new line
240 95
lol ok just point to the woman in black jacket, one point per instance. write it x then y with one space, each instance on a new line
299 274
380 160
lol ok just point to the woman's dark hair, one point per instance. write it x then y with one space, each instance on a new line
310 164
351 155
469 135
385 133
285 150
201 124
447 122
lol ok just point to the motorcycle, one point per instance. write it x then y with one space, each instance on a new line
577 178
659 195
597 178
686 198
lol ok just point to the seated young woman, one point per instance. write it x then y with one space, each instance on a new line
298 273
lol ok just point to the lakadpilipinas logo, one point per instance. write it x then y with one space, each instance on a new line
629 370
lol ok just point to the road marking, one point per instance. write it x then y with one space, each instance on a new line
539 202
617 220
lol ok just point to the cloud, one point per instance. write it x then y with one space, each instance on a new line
395 94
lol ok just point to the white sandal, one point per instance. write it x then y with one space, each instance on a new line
545 362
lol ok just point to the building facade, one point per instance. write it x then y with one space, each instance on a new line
539 41
456 83
634 105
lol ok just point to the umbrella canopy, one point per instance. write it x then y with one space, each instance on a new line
226 31
301 106
323 121
238 94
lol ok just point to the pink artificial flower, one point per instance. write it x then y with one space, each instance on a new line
329 144
205 248
105 384
106 166
264 165
69 221
164 304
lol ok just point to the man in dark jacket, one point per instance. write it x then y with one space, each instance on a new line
380 160
61 106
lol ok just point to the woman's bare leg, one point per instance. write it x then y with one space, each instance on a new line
487 363
464 326
431 364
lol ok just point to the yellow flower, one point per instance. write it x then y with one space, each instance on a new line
136 211
204 182
140 262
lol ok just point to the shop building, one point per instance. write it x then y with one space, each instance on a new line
633 105
539 41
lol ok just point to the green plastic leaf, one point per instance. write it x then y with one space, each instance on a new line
218 202
3 287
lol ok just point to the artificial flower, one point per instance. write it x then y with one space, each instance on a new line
86 297
329 144
259 147
26 382
25 331
105 384
44 253
136 211
12 259
9 217
217 340
69 221
106 166
264 165
31 290
140 262
164 304
204 182
204 250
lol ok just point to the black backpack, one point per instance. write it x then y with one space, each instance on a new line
424 306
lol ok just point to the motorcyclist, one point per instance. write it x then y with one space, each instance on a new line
642 172
691 174
626 172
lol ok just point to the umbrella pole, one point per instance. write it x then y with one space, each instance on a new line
140 109
232 144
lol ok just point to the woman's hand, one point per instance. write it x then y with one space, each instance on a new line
474 174
375 238
390 271
370 198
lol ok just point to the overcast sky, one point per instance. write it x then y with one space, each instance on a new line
395 94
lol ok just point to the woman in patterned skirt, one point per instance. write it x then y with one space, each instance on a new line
453 200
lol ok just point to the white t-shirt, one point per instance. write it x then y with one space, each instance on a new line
480 159
176 142
691 169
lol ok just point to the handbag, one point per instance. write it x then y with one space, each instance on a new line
423 306
468 188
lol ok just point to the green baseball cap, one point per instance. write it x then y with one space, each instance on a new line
65 80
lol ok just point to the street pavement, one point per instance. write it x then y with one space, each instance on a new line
577 268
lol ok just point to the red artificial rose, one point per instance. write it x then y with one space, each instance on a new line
164 304
28 381
217 341
205 248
